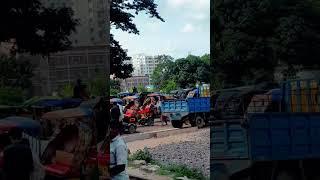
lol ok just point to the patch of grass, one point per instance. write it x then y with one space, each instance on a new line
173 170
142 155
181 171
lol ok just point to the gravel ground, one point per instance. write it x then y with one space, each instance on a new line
191 149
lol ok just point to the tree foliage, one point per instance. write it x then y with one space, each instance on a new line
15 73
114 87
169 86
122 13
163 71
182 73
11 96
34 28
141 88
251 38
190 70
66 91
98 86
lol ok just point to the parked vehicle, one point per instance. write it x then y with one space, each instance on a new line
271 143
133 117
194 111
72 148
130 121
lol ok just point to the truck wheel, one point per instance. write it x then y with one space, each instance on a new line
200 122
150 121
177 124
193 123
132 129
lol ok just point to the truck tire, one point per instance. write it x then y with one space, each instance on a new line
193 123
177 124
132 129
150 121
200 122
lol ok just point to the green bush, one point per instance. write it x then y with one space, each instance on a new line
142 155
168 170
66 91
181 171
11 96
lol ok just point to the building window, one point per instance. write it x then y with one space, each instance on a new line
92 38
91 29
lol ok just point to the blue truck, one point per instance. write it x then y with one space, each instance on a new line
194 111
277 145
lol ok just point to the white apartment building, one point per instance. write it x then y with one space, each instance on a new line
143 65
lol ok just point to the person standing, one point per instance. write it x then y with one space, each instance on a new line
115 112
118 153
79 91
38 173
17 158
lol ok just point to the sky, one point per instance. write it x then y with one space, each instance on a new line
186 30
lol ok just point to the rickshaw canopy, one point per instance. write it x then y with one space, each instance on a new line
131 98
68 113
92 103
30 126
117 100
154 94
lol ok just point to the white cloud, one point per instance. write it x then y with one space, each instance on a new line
188 28
199 16
196 4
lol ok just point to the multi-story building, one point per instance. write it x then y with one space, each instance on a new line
135 81
89 55
143 65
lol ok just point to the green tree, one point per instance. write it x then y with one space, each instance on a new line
16 73
98 86
190 70
169 86
206 58
122 13
34 28
251 38
163 71
66 91
141 88
114 87
11 96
